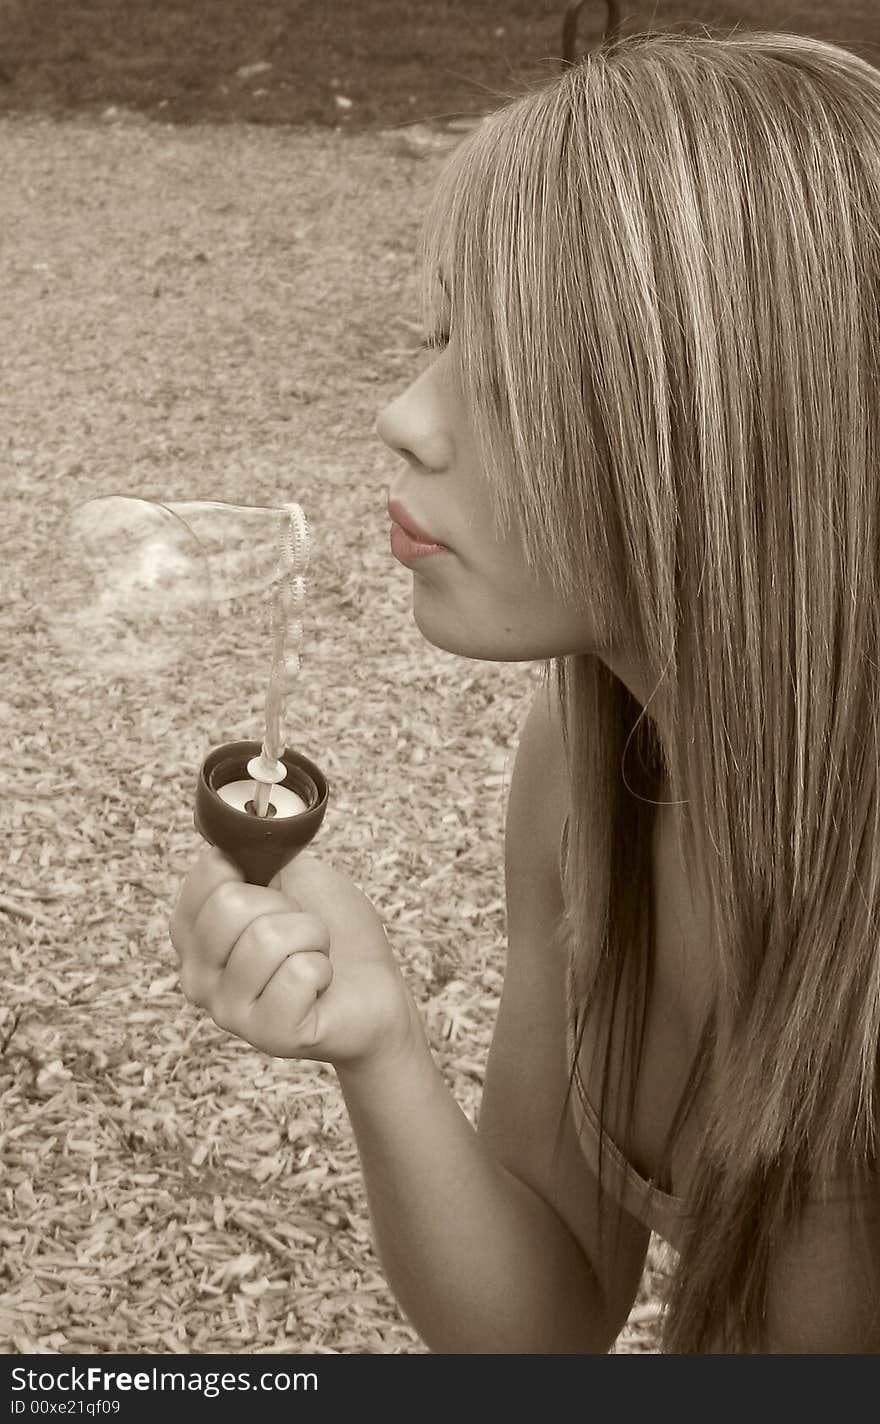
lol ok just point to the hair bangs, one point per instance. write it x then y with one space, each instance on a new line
504 273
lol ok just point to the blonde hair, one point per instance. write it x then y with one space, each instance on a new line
664 289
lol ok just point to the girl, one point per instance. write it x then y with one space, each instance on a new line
646 453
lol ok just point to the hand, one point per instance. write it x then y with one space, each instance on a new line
301 968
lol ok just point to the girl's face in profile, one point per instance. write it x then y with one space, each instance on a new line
478 598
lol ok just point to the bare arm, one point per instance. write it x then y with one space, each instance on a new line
528 1069
824 1286
479 1262
485 1246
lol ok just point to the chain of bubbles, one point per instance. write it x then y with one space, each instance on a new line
285 622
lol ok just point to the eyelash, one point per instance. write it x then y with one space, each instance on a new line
437 341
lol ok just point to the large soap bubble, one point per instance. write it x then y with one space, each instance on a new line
137 583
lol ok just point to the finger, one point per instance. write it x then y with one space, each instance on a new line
306 875
266 945
272 978
284 1019
232 908
211 869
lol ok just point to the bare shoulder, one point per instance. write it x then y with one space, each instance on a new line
824 1287
523 1118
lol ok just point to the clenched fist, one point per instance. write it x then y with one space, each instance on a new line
301 968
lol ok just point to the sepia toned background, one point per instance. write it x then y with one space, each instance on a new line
207 291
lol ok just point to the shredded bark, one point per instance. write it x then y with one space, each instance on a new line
217 314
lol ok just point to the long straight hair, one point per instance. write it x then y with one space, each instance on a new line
662 274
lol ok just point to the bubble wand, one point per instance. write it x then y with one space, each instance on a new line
275 772
287 601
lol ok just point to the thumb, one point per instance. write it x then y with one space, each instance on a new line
315 887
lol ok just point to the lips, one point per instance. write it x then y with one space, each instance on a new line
398 515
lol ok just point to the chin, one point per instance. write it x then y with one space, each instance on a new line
467 641
439 634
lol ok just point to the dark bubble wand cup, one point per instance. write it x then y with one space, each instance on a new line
259 845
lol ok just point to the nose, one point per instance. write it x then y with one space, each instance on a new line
410 431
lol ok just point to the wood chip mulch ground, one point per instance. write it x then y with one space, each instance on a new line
216 314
